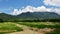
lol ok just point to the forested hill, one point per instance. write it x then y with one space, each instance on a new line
30 16
39 15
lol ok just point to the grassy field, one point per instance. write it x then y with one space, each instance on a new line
8 28
40 25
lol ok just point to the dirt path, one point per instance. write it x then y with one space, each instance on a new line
26 30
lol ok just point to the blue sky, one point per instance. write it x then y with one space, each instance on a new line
7 6
20 3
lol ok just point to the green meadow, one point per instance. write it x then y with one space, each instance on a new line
41 25
9 27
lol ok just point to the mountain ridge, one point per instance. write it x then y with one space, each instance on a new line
30 16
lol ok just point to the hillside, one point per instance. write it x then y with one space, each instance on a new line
30 16
39 15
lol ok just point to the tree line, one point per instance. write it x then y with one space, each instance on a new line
37 20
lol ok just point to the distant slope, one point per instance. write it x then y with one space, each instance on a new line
39 15
30 16
5 17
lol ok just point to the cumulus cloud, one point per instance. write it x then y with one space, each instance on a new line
35 9
31 9
52 2
57 11
16 12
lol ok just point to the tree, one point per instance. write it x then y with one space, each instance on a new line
1 20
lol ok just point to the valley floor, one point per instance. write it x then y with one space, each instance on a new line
26 30
30 28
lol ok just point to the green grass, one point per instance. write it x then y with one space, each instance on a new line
9 27
43 25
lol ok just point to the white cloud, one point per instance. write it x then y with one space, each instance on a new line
52 2
16 12
35 9
31 9
43 8
57 11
